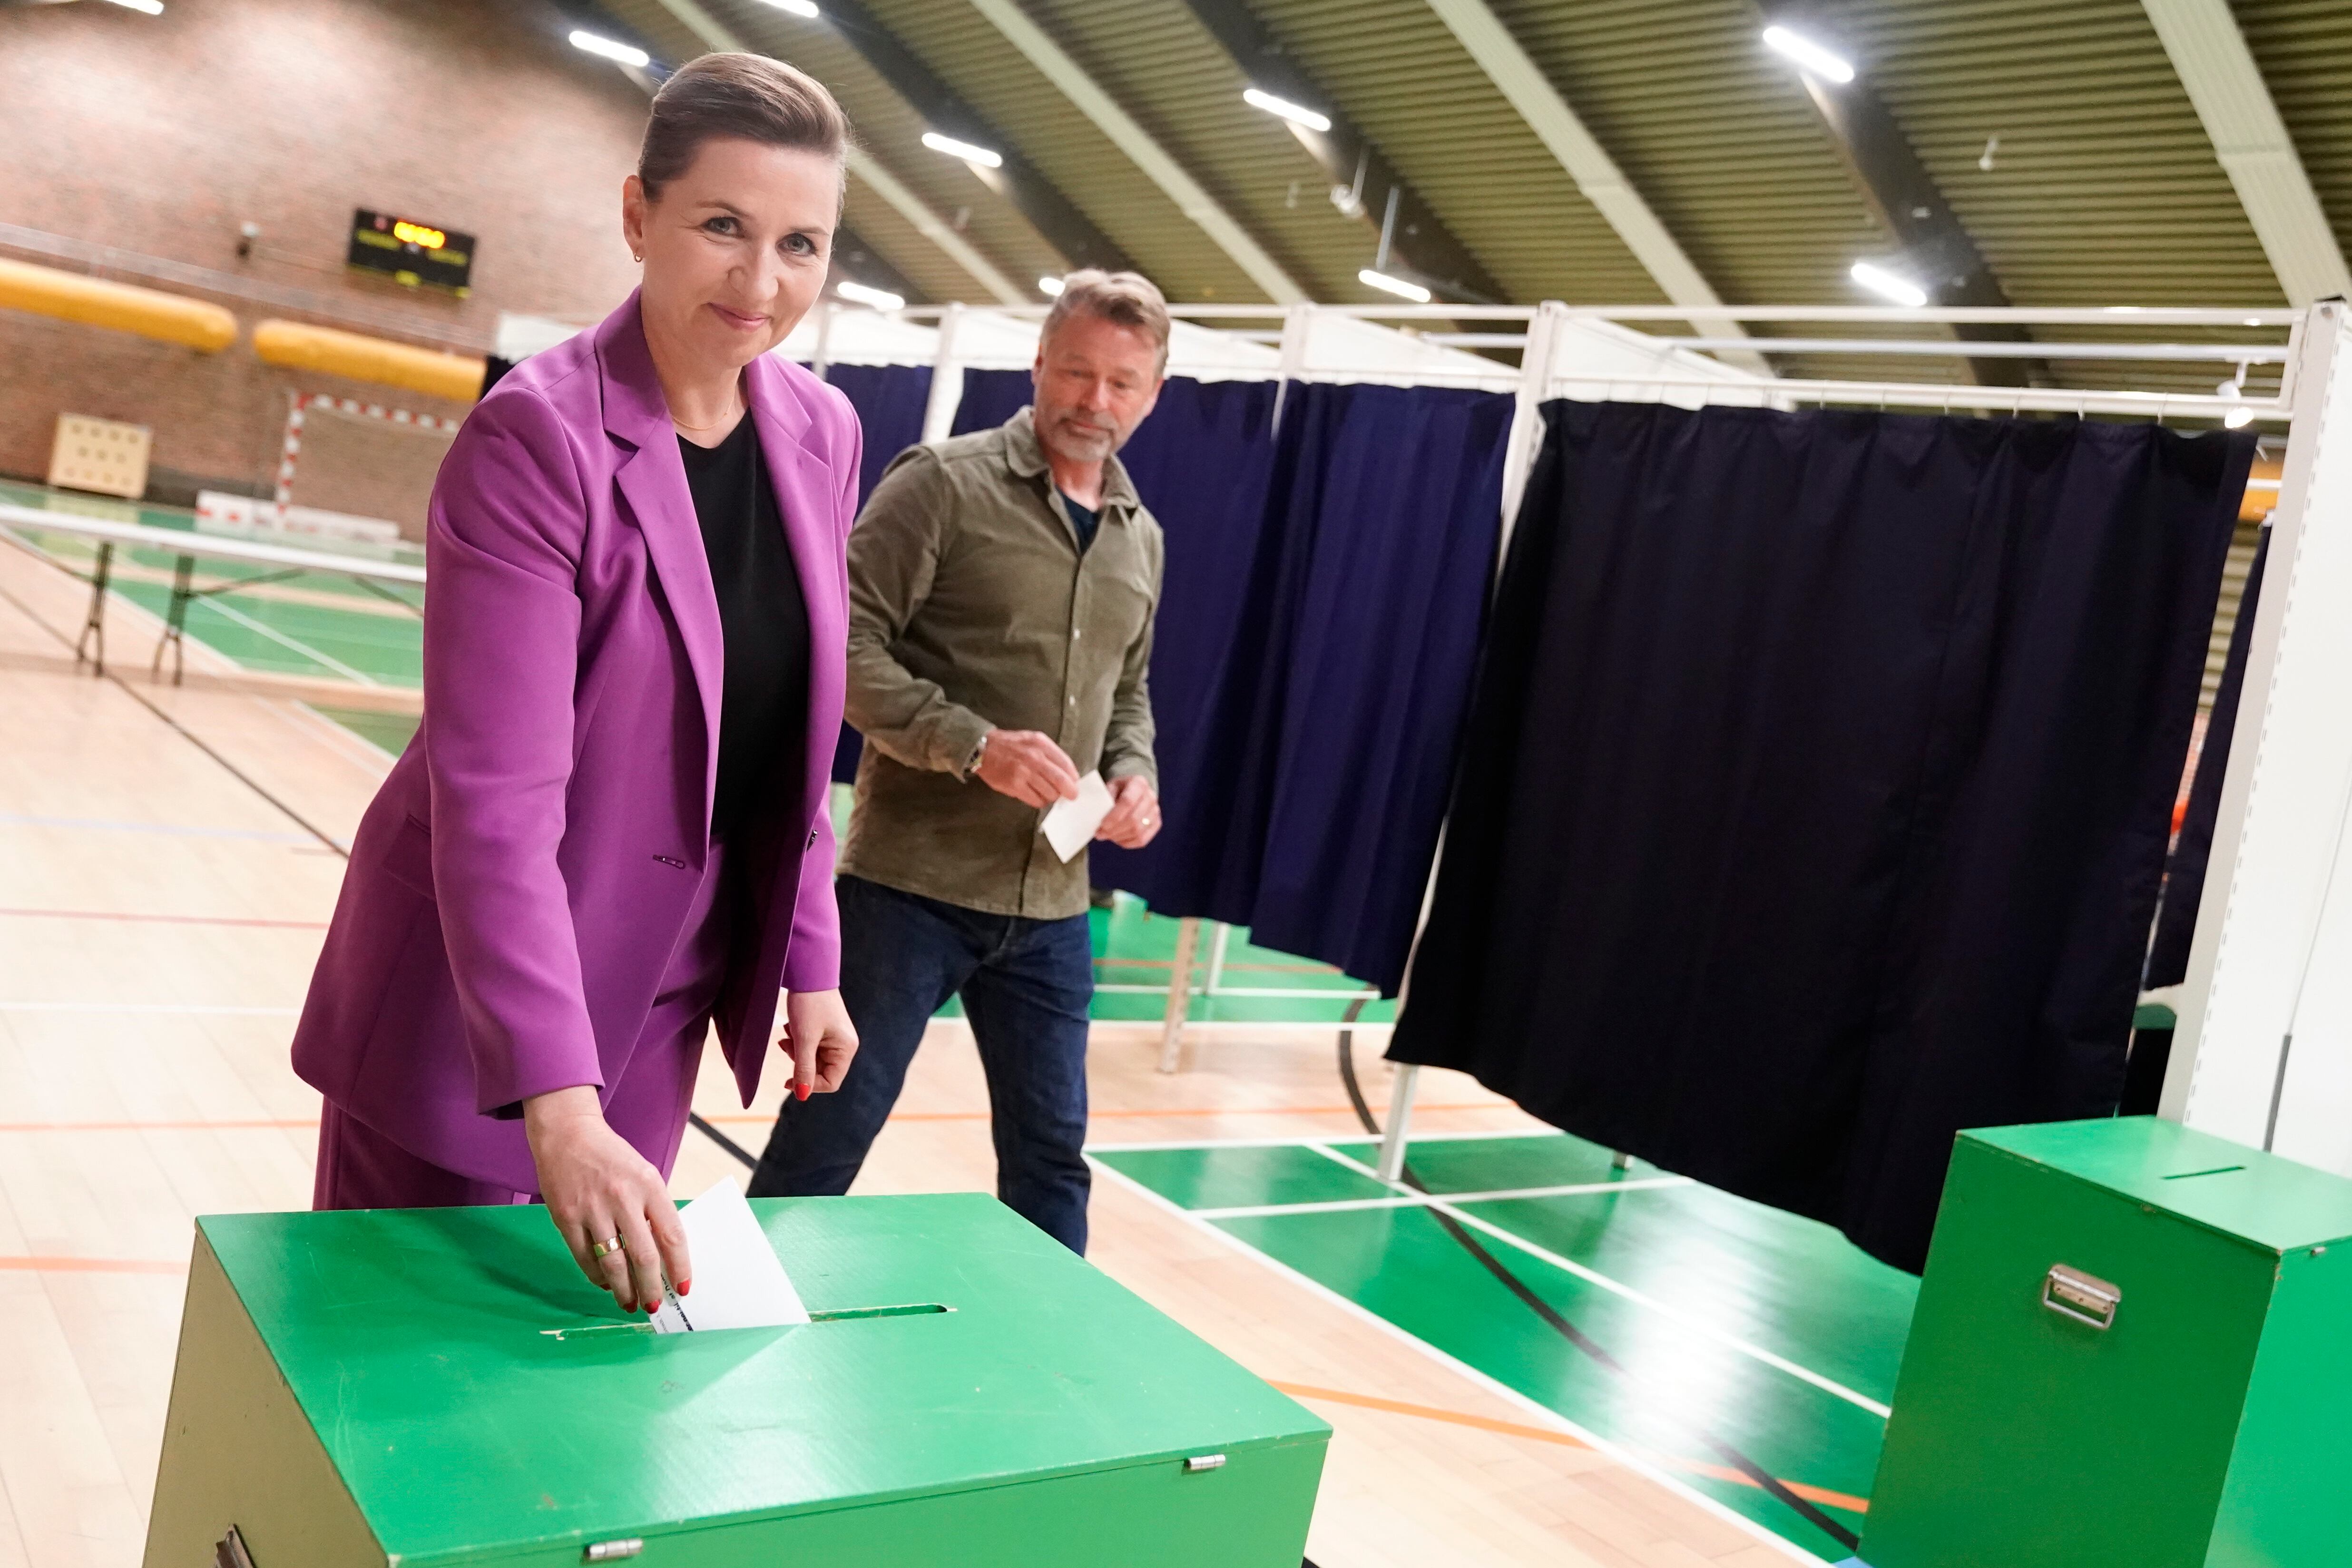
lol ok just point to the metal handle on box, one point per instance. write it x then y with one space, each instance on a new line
1200 1462
2071 1293
612 1551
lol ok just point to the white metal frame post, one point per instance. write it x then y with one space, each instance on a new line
1519 462
2263 1054
947 380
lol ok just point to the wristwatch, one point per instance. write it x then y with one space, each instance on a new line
971 769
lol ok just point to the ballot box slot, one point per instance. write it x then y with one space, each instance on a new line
832 1315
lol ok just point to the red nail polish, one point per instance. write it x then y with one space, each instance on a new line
654 1308
685 1286
799 1091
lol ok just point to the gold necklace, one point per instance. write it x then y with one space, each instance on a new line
714 424
723 419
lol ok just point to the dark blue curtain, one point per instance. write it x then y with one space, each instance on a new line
1314 667
890 400
992 396
1818 786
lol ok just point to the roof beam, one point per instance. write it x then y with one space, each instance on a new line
1596 174
864 168
1141 149
1020 182
1428 251
2210 56
1908 205
1937 251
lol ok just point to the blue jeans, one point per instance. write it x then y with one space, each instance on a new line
1025 983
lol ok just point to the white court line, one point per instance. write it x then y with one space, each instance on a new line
1302 1141
1544 1413
192 1009
305 649
1592 1276
1422 1200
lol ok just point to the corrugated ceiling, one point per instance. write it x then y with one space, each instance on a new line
2103 190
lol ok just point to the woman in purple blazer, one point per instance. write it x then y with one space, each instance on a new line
611 829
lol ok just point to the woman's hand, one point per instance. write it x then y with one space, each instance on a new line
820 1038
597 1189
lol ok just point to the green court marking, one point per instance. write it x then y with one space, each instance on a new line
388 732
260 632
1732 1315
1232 1178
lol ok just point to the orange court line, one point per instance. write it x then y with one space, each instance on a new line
1566 1440
92 1265
164 919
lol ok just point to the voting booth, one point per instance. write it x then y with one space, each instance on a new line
2133 1345
440 1387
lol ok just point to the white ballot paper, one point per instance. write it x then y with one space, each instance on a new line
1070 824
739 1281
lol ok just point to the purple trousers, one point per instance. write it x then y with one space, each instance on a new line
359 1168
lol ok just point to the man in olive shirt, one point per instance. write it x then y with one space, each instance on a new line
1001 591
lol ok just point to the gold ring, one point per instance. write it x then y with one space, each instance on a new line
606 1248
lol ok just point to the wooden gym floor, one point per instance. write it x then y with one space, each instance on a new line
164 886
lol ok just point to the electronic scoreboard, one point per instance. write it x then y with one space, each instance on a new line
417 254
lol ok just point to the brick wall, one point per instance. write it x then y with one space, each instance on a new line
162 135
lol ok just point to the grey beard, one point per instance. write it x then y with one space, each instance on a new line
1091 447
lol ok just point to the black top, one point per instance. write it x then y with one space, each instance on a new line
764 705
1085 518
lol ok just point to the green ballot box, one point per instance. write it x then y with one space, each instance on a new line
428 1387
2133 1347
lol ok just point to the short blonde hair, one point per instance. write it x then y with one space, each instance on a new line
1125 298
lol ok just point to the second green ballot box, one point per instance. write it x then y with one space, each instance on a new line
440 1387
2133 1348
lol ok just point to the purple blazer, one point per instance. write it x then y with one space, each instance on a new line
518 885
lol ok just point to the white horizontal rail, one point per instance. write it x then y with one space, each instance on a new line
1945 348
209 547
2157 406
1885 315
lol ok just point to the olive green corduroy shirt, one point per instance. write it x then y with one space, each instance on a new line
971 608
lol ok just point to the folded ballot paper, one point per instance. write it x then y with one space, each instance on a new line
1070 825
739 1281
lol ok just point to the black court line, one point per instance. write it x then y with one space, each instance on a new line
1770 1484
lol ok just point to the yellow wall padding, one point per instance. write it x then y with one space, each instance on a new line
70 297
298 346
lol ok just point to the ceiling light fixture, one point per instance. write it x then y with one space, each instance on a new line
611 49
1050 287
1396 286
1298 112
1817 60
963 150
797 8
859 294
1880 281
